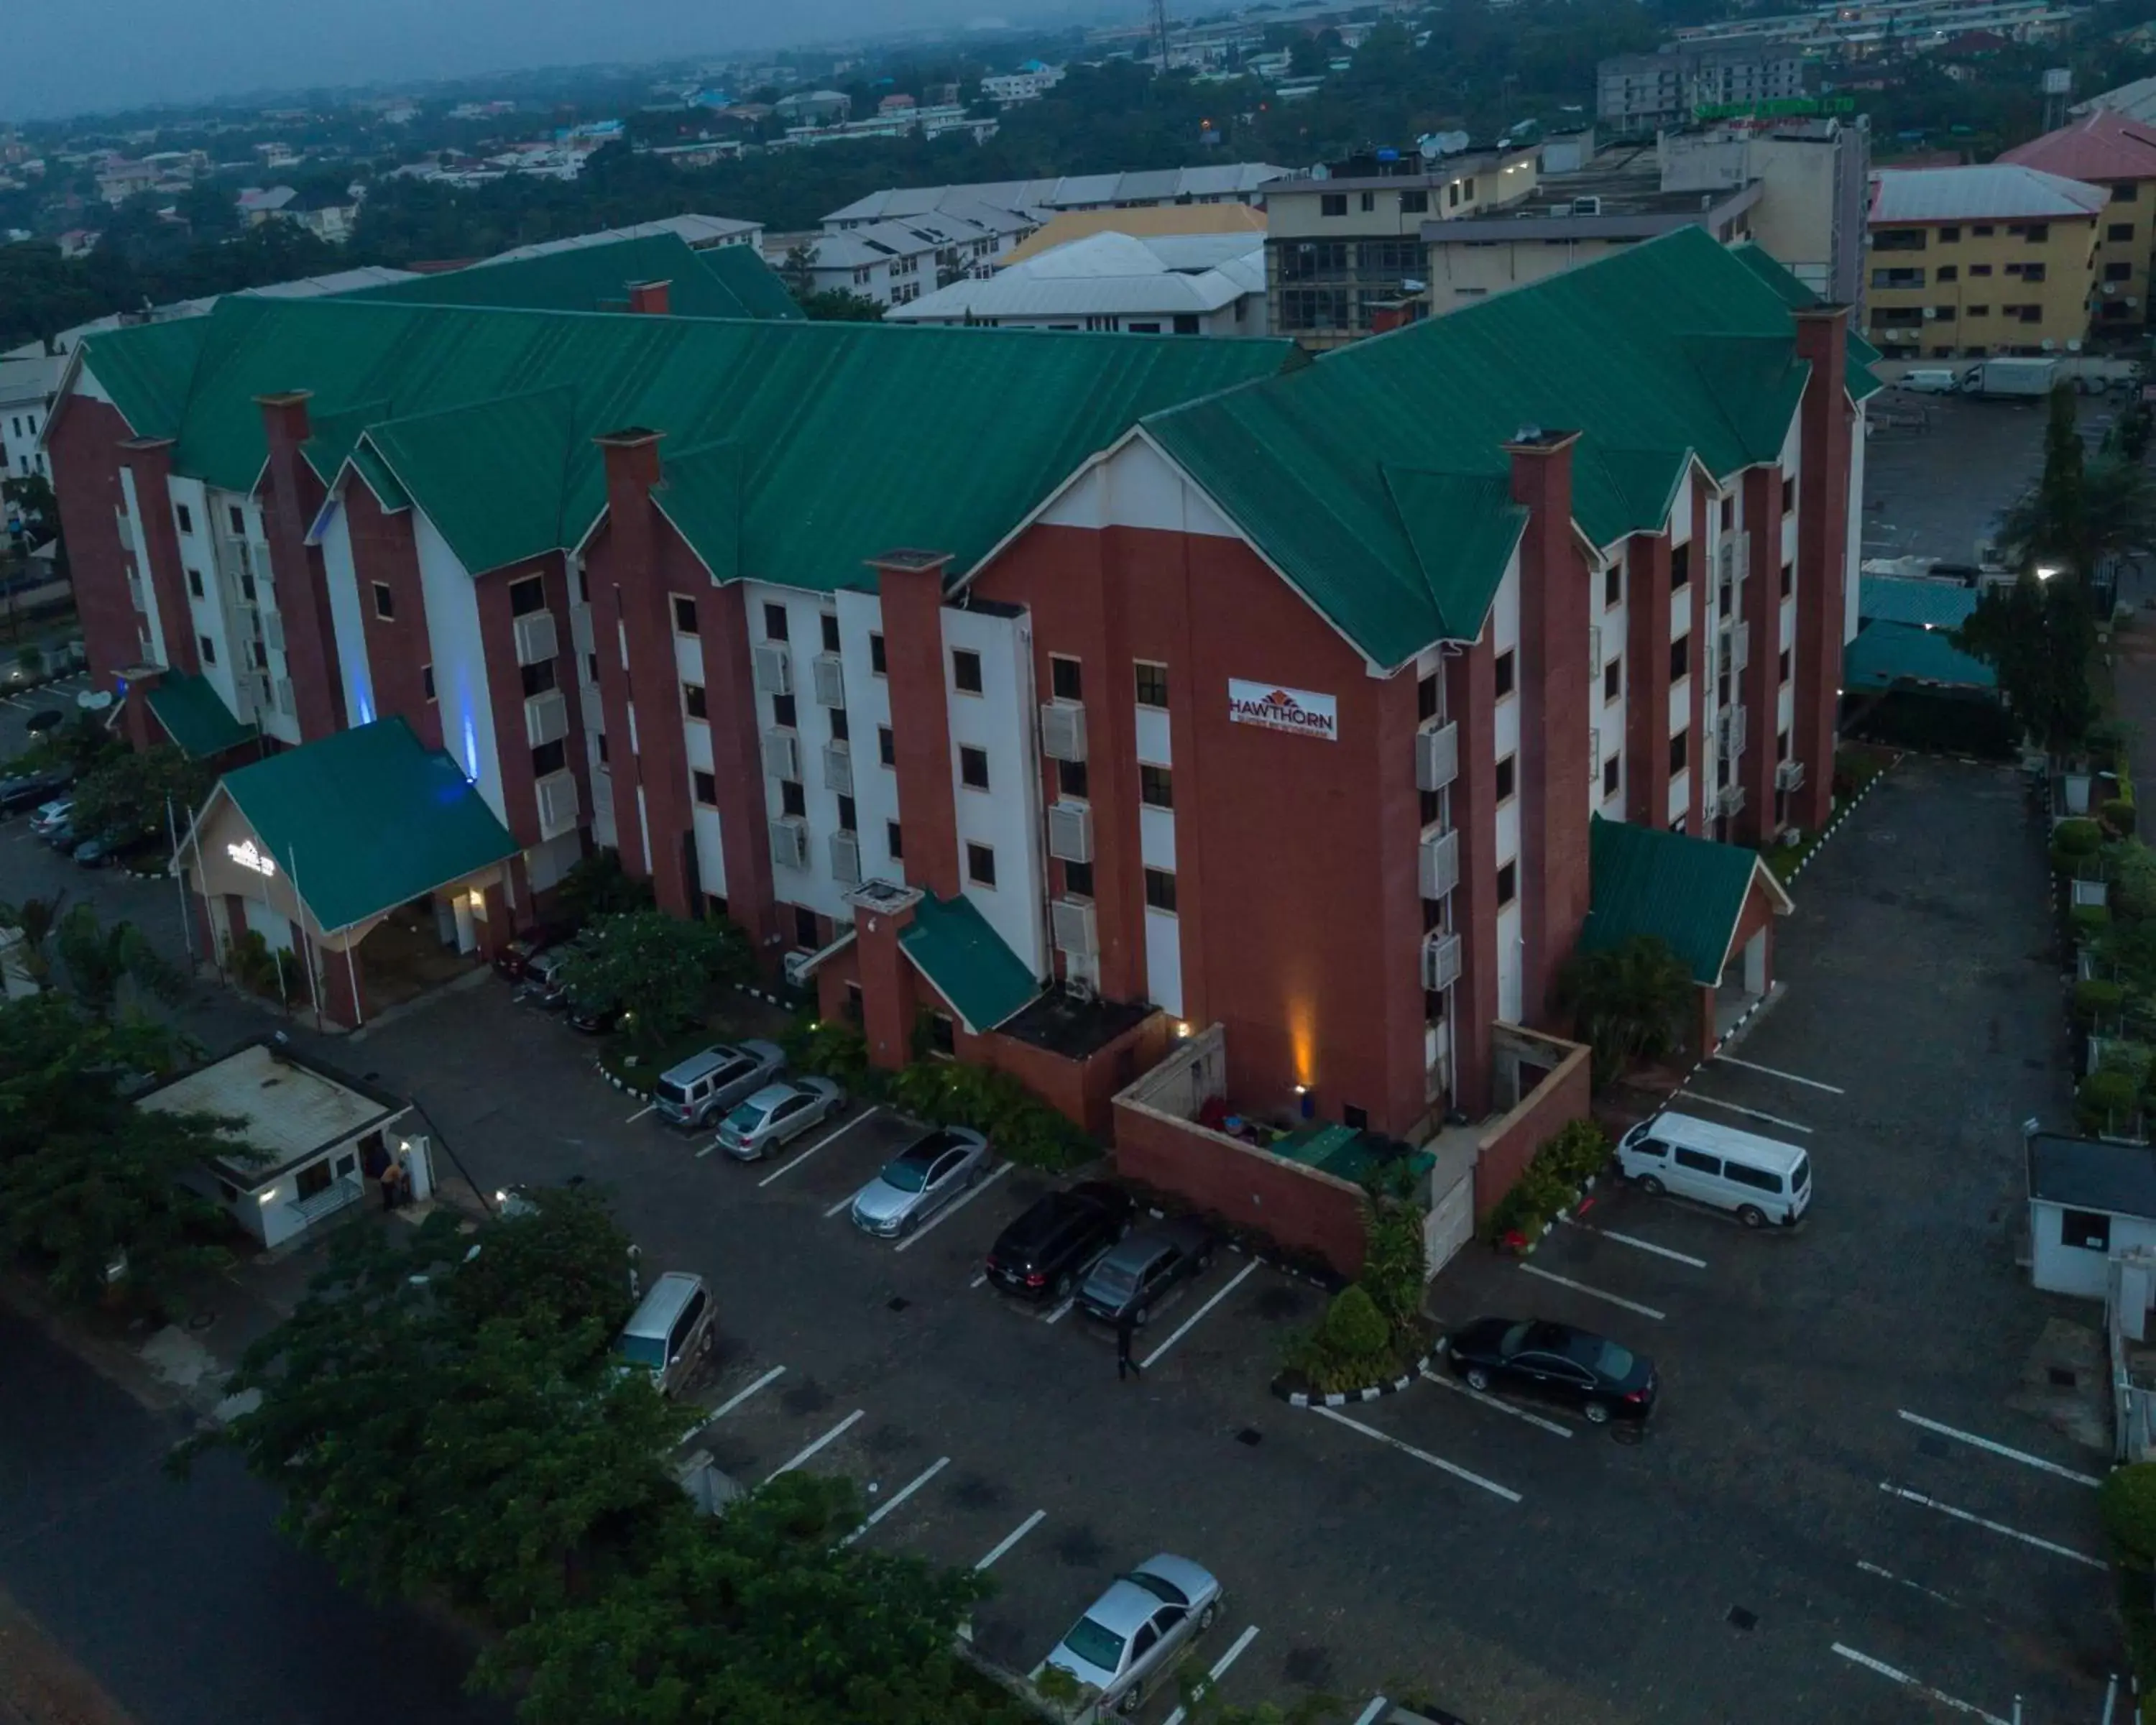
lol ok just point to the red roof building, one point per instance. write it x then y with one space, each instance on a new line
2104 148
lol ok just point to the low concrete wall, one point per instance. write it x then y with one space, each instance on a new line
1510 1143
1083 1090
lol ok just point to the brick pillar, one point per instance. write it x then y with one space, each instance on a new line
737 762
1471 699
291 497
344 987
143 730
911 585
1647 680
1823 506
158 552
1755 687
1556 608
651 297
1705 527
886 982
497 927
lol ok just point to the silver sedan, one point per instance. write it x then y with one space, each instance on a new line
920 1180
1130 1639
760 1123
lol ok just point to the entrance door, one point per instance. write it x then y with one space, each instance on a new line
1449 1226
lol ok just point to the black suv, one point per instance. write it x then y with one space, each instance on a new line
1041 1255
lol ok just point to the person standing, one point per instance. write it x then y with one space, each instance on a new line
1126 1326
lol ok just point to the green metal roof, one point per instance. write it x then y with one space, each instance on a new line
1688 892
1798 297
700 491
195 717
597 278
1670 348
1885 653
365 819
953 947
1894 598
1345 1152
852 438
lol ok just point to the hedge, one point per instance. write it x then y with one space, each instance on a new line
1551 1181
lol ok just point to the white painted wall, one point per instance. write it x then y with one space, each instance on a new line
868 709
1854 551
2058 1268
451 602
1509 950
153 624
346 623
1680 509
1008 815
1137 486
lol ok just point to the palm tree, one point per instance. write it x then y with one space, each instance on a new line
98 958
1628 1002
35 919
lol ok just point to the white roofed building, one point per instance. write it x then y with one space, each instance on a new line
1179 283
1221 182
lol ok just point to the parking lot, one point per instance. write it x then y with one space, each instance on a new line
1843 1508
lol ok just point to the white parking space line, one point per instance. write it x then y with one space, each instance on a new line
1977 1520
1220 1670
1907 1681
835 1131
1832 1090
1406 1448
1011 1538
1445 1381
1189 1322
739 1397
1693 1095
639 1113
978 1279
1630 1240
1982 1443
810 1453
1060 1312
899 1497
1371 1714
952 1209
1904 1581
841 1204
1581 1287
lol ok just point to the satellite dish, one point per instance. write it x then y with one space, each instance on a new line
94 700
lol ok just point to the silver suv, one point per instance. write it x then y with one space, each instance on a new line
712 1082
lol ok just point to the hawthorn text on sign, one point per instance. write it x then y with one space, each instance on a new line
1277 709
246 854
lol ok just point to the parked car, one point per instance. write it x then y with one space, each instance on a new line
1041 1255
709 1082
670 1332
767 1118
1761 1179
542 986
1142 1267
1128 1643
514 961
62 835
920 1180
26 790
595 1019
1603 1380
50 816
100 850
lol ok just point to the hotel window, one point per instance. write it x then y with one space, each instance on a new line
238 517
2119 231
1508 883
1507 777
548 757
1788 495
1078 879
707 788
1160 890
1609 776
195 582
1677 750
1613 585
887 746
791 798
774 623
385 601
187 521
536 678
1789 579
831 633
1679 566
842 727
1503 672
782 712
1156 787
1613 679
527 595
806 933
966 670
973 768
692 700
1070 779
846 815
1064 677
1152 684
1680 658
427 681
208 650
685 614
981 864
875 654
893 840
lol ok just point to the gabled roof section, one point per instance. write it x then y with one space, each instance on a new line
336 435
1886 654
489 476
597 278
1908 599
1689 892
1757 381
148 372
366 819
1463 529
1616 491
700 491
741 271
952 944
1862 354
195 717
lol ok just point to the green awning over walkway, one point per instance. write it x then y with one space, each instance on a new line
195 717
1886 654
1688 892
952 944
365 819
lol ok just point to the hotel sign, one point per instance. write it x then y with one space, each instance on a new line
1269 706
249 856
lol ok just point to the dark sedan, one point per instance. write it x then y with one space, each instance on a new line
514 961
1140 1268
26 790
1041 1255
1603 1380
596 1020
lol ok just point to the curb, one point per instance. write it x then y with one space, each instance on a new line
1341 1399
1577 1204
755 993
1842 815
621 1085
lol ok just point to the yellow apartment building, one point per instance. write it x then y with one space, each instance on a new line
2104 148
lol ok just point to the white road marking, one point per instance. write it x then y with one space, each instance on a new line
639 1113
956 1205
1904 1581
1437 1461
739 1397
1371 1714
1833 1090
1184 1328
1061 1311
707 1149
2020 1455
835 1131
899 1497
1446 1381
1219 1669
1011 1538
1907 1681
842 1204
1645 1245
1977 1520
1694 1095
1595 1293
978 1279
814 1449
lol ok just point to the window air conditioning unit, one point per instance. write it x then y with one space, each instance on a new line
1594 649
272 631
1063 730
789 842
546 718
831 681
558 807
1440 869
1440 960
1070 832
537 638
838 770
1788 775
846 859
1073 921
1437 756
1732 726
1729 800
285 696
782 755
1740 647
1594 753
1588 206
774 669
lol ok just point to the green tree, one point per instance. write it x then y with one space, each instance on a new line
129 793
838 305
661 969
1628 1002
2037 636
98 959
35 919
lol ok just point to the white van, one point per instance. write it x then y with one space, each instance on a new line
1762 1179
1931 381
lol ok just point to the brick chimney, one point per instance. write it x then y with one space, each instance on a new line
911 586
650 296
150 459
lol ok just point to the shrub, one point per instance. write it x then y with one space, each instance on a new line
830 1047
2088 920
2126 1501
2131 867
1020 1125
2078 836
2096 1000
2118 815
1395 1268
1351 1347
2106 1101
1578 1153
1353 1326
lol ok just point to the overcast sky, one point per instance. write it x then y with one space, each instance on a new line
62 57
